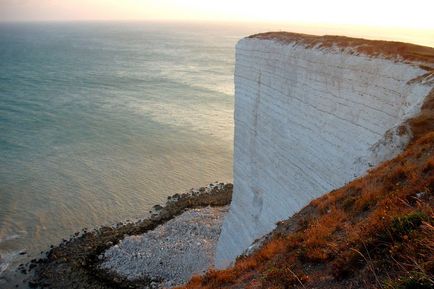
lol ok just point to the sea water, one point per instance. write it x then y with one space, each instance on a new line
101 121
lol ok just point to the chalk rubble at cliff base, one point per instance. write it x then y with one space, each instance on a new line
173 252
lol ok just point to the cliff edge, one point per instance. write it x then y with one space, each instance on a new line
311 114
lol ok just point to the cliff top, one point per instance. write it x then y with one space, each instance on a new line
388 49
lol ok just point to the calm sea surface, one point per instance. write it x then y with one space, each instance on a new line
100 121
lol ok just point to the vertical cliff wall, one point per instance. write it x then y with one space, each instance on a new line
312 113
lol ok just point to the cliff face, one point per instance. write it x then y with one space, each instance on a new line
311 114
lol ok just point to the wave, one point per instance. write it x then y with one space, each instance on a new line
9 237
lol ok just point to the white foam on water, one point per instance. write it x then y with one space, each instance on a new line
9 238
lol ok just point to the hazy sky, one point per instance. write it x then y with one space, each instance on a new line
392 13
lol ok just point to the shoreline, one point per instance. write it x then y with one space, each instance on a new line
75 263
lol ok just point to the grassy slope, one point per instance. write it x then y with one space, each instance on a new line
375 232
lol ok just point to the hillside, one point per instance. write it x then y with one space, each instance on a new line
375 232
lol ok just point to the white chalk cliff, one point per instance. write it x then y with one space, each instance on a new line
309 118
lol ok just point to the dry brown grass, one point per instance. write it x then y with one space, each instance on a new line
376 232
424 121
388 49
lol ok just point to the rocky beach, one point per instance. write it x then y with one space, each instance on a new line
173 252
166 249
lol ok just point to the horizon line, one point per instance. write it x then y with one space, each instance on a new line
220 21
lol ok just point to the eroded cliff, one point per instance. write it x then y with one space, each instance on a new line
311 114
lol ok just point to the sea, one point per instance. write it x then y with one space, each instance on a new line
99 121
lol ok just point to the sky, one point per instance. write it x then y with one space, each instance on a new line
400 20
385 13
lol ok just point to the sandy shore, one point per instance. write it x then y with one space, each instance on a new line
177 235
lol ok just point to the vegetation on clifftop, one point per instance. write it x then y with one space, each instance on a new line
378 48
